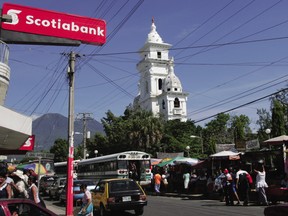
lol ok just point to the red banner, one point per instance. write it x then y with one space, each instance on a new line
50 23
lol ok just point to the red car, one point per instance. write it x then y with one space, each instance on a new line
17 207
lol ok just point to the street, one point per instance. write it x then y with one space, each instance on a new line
171 206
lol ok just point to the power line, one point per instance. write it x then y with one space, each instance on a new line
198 46
243 105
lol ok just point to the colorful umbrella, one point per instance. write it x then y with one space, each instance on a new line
33 166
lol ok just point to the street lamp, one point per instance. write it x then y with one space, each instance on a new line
95 152
87 155
188 150
268 131
201 140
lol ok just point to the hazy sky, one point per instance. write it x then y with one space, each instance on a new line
227 53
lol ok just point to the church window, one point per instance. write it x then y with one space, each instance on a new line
168 89
159 55
176 102
147 89
175 89
159 84
163 104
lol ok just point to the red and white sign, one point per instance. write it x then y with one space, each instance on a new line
50 23
29 144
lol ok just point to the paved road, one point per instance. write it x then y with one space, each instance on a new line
176 206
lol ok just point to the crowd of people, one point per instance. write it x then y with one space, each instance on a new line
233 184
180 178
19 184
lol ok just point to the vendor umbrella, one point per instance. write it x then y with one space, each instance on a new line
169 162
277 140
34 166
189 161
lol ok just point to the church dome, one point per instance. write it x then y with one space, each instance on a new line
172 82
153 36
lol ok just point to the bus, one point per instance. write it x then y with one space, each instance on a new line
60 168
130 164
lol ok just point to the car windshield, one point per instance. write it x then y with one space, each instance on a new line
123 185
79 183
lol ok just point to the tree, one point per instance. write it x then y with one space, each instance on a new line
264 122
177 136
60 150
240 127
216 132
278 119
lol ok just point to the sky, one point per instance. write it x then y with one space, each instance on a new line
227 53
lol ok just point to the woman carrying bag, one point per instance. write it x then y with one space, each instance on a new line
87 206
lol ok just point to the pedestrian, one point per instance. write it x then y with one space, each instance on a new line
19 186
231 171
242 185
5 188
261 185
157 182
228 188
33 191
186 177
87 206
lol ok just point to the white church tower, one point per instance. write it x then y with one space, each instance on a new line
160 90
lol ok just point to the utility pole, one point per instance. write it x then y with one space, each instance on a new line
69 191
85 118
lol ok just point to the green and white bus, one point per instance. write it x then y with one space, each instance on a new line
130 164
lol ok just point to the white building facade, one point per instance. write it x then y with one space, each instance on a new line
160 90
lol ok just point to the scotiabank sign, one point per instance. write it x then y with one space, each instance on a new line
50 23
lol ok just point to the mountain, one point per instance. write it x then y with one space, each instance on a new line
52 126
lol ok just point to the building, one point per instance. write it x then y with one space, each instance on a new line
160 90
15 128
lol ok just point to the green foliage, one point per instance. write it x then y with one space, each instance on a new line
264 122
278 119
60 150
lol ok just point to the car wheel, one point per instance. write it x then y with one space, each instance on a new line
102 211
139 211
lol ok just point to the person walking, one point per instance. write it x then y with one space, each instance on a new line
186 177
157 182
261 185
242 185
233 182
87 206
33 191
19 186
228 188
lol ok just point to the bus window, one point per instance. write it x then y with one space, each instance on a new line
122 164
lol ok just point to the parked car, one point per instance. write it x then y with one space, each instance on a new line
45 183
56 188
118 195
77 194
10 207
